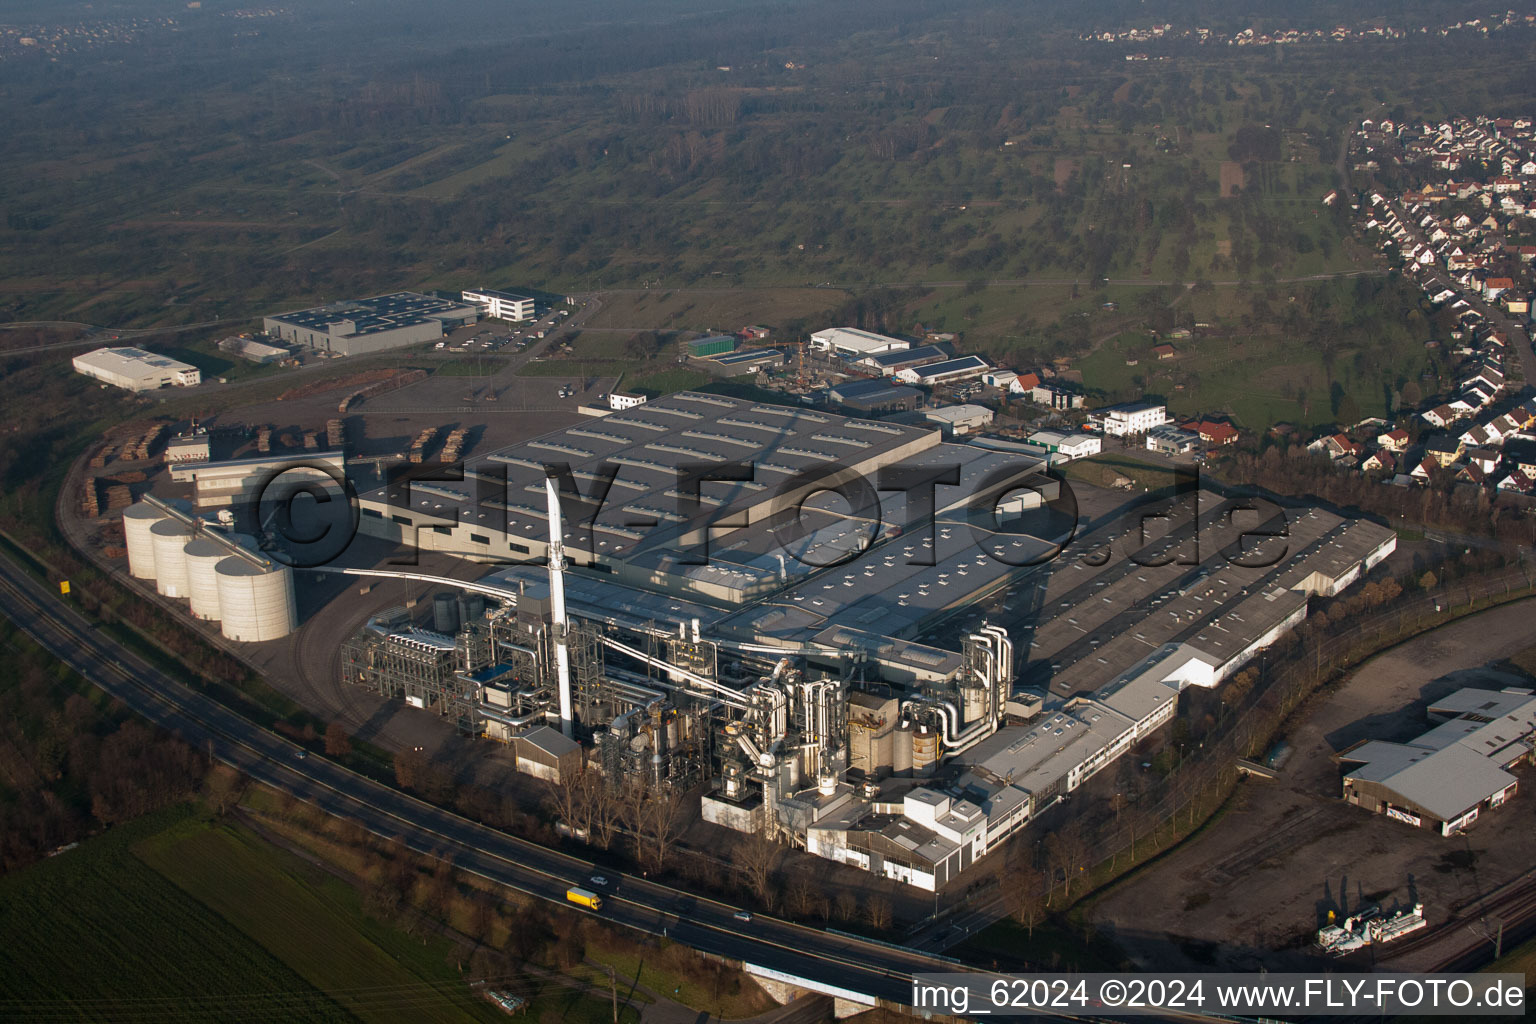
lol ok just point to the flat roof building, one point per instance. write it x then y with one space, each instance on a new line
502 305
1128 418
749 360
714 345
377 324
134 369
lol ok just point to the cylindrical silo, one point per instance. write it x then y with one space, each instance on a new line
925 750
203 555
476 609
901 750
138 520
445 614
170 537
256 603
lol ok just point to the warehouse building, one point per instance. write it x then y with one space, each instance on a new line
889 362
496 305
240 481
852 343
250 349
947 372
749 360
1446 778
135 369
959 420
714 345
874 397
1167 439
372 325
547 754
1072 445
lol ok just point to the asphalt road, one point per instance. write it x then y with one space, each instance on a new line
833 959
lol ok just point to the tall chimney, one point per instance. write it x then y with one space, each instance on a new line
557 603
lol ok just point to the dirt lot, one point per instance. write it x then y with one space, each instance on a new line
1253 888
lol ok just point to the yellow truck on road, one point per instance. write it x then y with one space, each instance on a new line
584 898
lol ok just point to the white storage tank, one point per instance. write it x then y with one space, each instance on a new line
138 519
203 555
256 603
170 539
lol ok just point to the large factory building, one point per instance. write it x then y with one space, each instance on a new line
134 369
888 649
360 326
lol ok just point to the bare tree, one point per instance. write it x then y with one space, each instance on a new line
1067 850
757 857
660 823
880 912
801 896
1027 894
607 805
565 800
846 904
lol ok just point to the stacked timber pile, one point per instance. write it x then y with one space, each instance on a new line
90 503
138 448
264 440
335 433
419 446
453 448
119 497
400 380
102 456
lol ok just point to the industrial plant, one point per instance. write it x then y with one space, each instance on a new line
851 636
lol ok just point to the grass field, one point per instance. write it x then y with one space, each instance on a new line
314 924
706 309
179 919
97 930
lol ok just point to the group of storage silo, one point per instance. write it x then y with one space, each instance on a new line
250 596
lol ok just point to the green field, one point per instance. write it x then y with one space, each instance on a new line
97 930
175 918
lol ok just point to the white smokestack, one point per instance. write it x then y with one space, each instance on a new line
557 604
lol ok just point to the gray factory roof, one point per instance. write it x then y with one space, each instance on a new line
908 356
747 355
601 600
376 314
651 446
1459 763
1104 606
1446 783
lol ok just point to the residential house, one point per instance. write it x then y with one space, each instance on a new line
1395 441
1443 448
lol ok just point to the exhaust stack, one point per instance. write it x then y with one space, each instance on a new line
557 604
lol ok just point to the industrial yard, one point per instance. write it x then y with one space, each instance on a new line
1254 888
870 675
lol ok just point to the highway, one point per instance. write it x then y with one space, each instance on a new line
835 960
